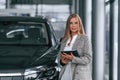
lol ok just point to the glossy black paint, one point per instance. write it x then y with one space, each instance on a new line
27 55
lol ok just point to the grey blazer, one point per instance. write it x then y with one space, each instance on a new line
81 66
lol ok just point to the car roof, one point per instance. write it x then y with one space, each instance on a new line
23 18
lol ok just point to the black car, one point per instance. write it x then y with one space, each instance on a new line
28 46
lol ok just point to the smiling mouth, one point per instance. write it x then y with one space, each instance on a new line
73 29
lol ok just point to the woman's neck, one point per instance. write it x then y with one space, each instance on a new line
72 34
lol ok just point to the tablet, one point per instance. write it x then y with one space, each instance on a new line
75 53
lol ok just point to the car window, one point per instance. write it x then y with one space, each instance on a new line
25 33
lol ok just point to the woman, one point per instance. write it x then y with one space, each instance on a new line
75 67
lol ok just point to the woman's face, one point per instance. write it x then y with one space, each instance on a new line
74 25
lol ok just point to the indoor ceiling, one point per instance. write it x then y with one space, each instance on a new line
41 2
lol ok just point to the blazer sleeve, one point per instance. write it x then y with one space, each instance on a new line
60 64
86 56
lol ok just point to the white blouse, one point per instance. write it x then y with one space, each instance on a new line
69 47
68 71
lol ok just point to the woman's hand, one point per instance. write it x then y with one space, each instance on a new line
69 56
65 58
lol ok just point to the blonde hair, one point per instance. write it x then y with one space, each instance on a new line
67 30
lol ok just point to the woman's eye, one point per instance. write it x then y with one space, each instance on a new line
76 22
70 22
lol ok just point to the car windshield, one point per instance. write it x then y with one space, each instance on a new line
23 33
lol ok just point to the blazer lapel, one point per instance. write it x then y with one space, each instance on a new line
76 43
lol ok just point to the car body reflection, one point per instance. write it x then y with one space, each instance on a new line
28 46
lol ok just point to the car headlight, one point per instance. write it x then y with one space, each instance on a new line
42 73
46 72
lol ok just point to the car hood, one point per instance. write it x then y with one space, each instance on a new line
19 57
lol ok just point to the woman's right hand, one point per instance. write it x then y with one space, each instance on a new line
64 59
